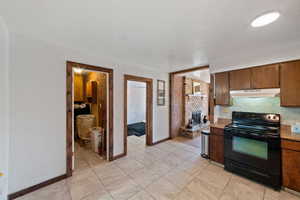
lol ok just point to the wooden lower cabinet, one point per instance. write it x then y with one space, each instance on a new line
291 166
216 145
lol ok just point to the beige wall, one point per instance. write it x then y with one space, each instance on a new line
38 74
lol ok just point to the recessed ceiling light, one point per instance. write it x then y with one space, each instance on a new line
265 19
77 70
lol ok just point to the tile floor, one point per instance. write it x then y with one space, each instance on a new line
169 170
195 142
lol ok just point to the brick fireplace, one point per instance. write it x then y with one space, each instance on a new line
192 102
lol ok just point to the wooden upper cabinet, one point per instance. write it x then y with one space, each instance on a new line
78 87
240 79
261 77
211 98
290 83
265 77
222 88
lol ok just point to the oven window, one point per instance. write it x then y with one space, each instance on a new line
250 147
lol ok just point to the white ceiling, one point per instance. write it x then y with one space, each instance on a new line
168 34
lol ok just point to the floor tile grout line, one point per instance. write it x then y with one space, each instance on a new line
151 195
90 163
264 193
164 176
223 190
175 167
69 190
131 180
181 189
89 166
101 182
98 178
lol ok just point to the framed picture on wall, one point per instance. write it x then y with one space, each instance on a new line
196 88
161 92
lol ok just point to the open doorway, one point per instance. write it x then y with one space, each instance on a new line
138 106
89 116
190 111
136 112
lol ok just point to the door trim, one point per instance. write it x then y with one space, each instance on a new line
149 108
69 111
171 80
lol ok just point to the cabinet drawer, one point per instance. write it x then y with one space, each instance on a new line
291 145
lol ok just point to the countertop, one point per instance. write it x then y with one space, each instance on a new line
221 123
287 134
285 131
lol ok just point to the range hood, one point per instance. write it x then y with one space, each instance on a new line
256 93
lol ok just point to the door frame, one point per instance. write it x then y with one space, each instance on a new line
69 110
171 83
149 108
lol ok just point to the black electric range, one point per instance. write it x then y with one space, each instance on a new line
252 147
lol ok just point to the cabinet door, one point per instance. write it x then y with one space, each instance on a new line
240 79
290 83
222 88
94 88
211 98
216 147
265 77
291 169
78 87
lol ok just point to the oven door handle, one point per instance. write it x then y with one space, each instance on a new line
250 136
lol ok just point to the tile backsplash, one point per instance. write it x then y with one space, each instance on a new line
289 115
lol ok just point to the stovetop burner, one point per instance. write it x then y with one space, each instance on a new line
258 123
254 129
